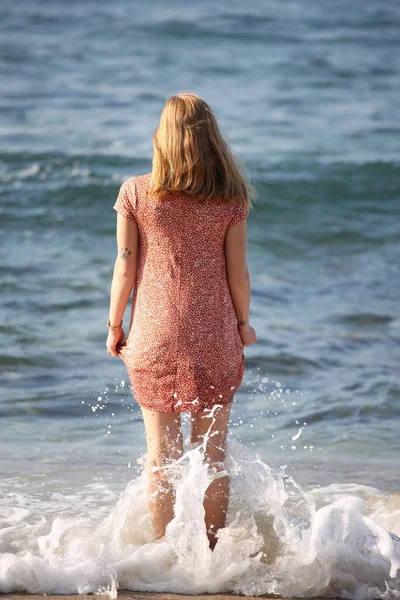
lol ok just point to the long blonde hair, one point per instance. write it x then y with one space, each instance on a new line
191 157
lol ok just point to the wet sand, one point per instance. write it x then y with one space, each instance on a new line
133 596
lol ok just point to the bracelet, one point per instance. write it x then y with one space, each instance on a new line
241 323
113 326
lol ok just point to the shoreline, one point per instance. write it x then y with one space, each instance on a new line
127 595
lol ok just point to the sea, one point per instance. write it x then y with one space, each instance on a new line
307 96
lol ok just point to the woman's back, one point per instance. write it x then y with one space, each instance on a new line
183 350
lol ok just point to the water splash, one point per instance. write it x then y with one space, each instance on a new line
275 540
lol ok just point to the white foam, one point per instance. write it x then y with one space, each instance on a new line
276 540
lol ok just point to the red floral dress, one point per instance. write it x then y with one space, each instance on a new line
183 351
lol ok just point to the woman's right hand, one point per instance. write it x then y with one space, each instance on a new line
247 335
114 341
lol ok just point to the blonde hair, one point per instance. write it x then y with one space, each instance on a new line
191 157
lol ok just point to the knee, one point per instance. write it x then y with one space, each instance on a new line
158 476
219 480
161 466
217 467
162 452
215 455
156 464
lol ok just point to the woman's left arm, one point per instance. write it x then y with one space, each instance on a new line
124 276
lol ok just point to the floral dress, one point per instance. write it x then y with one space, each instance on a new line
183 351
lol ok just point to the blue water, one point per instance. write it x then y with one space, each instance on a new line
307 95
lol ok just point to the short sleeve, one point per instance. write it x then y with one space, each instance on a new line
123 204
241 212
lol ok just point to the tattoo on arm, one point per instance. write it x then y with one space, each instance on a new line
124 253
242 321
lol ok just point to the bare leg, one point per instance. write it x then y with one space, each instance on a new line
216 500
164 445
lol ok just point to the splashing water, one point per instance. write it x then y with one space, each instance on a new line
275 539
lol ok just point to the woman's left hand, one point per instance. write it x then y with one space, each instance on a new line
114 340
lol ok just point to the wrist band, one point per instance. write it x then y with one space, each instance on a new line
241 323
113 326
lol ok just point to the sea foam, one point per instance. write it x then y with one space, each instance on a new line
279 538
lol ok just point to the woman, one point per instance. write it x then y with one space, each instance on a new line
181 235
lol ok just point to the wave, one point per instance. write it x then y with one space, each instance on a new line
279 538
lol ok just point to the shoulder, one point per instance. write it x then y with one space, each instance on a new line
137 184
138 180
240 211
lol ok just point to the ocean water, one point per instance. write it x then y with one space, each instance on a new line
307 95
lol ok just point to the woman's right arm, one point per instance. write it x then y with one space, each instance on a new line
238 278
